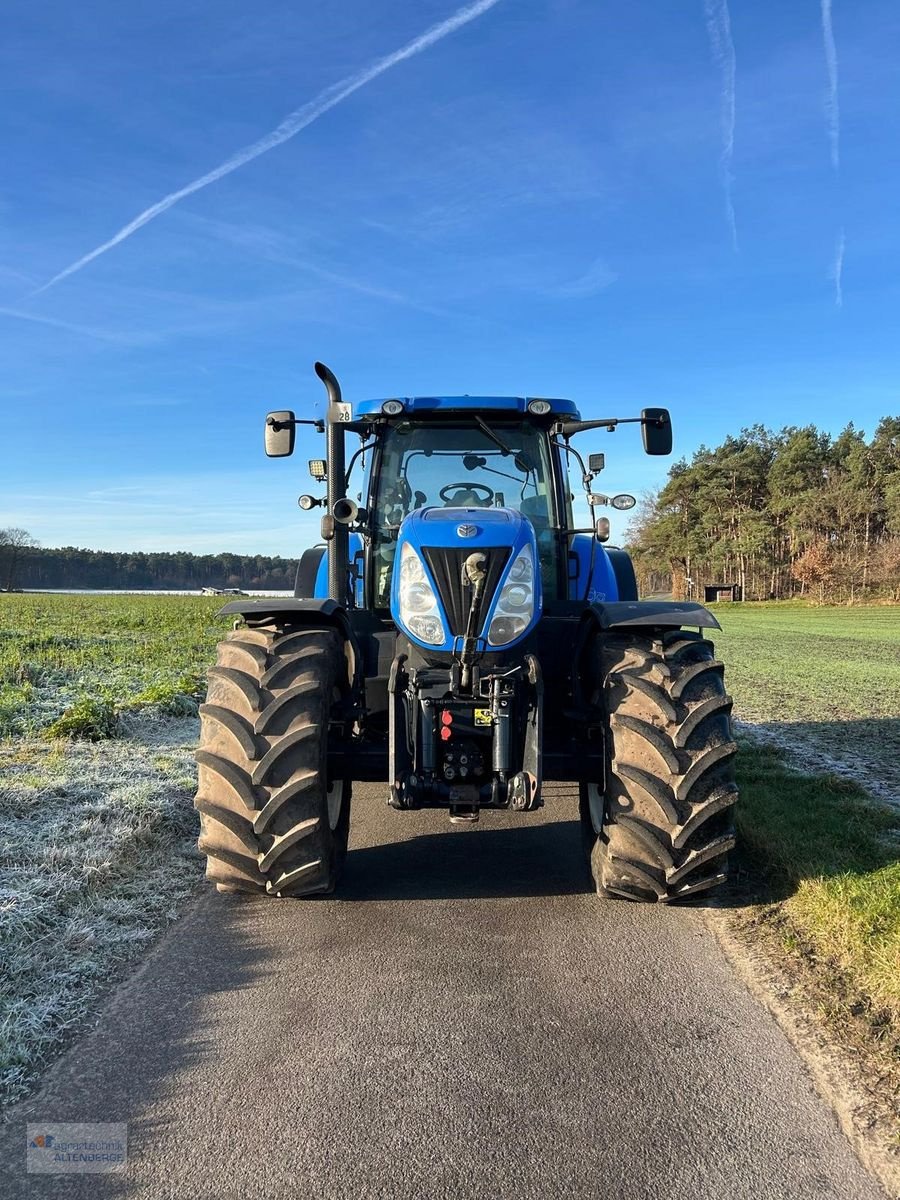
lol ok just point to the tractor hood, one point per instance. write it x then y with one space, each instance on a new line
440 554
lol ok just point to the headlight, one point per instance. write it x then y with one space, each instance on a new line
419 610
522 569
429 629
418 597
515 604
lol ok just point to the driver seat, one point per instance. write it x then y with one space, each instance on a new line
467 498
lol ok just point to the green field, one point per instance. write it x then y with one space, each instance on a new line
791 663
788 664
58 650
821 680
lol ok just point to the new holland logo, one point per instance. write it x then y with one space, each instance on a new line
467 530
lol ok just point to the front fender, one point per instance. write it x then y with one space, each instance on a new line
301 611
282 610
667 614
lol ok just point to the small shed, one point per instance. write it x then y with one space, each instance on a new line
715 592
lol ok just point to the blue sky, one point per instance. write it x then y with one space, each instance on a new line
538 201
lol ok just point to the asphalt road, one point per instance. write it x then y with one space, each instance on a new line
465 1021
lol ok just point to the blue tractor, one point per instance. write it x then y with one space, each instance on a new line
458 638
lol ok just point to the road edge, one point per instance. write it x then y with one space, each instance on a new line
838 1079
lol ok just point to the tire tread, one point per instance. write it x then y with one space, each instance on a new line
668 808
262 763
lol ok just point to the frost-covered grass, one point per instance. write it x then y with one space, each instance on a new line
98 705
97 853
118 651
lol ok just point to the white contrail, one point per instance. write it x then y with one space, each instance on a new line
833 119
837 270
832 112
718 24
299 119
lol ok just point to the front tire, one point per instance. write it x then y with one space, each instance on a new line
270 820
662 829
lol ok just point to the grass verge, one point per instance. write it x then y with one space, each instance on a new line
818 883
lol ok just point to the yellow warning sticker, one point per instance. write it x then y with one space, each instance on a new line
482 716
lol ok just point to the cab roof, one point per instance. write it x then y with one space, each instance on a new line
423 405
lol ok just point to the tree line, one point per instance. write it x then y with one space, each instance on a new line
797 513
14 544
72 567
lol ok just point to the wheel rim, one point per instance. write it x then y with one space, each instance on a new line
596 806
335 800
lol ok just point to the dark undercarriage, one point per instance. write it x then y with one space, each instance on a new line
489 745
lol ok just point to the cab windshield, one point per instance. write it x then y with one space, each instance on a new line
462 466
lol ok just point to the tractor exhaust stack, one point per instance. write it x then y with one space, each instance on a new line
338 552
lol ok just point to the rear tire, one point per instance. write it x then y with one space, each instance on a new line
269 821
662 830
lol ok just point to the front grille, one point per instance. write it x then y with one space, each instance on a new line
446 566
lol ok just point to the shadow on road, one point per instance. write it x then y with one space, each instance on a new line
466 863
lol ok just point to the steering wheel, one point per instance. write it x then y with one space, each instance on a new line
467 486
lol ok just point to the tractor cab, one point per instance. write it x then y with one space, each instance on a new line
502 460
467 453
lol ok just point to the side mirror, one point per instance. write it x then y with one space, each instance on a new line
656 430
280 434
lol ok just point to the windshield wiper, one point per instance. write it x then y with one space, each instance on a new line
522 461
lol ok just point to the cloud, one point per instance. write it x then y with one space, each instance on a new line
837 270
296 121
597 277
718 25
101 335
832 112
269 244
15 275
